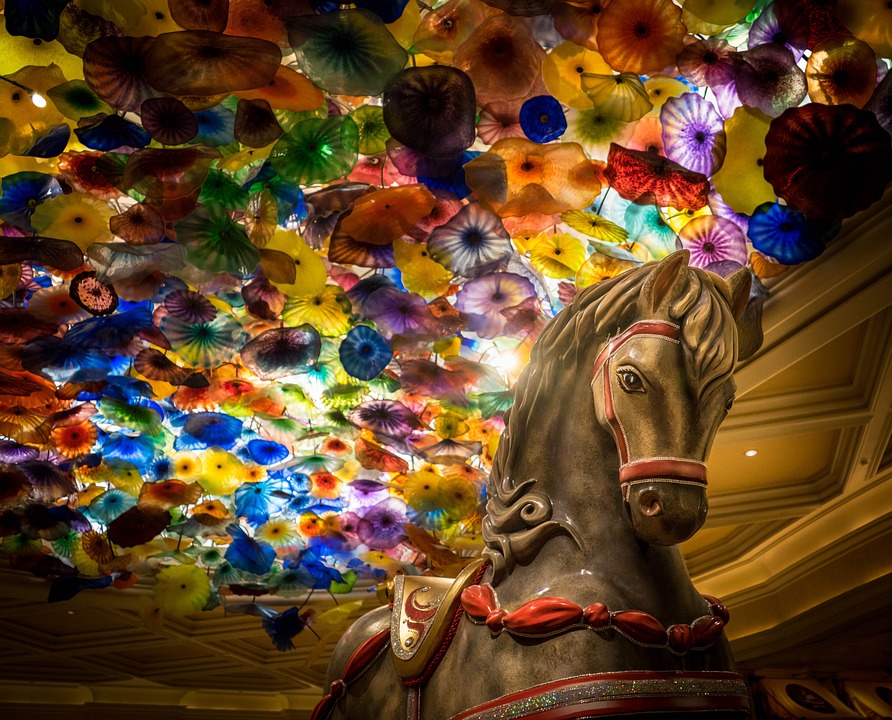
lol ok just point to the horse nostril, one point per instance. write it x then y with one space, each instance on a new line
650 504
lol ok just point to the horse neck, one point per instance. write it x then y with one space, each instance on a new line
575 463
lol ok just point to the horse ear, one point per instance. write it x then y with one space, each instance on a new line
665 275
740 282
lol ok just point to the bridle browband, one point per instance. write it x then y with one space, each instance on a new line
684 471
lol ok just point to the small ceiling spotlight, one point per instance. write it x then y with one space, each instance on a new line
751 453
38 99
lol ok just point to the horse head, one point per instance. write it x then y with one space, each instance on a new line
661 386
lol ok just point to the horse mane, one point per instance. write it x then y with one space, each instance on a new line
519 518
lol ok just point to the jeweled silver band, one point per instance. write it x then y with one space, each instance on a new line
591 692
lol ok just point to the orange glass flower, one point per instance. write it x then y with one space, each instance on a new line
841 70
502 58
446 27
74 440
385 215
641 36
516 177
325 485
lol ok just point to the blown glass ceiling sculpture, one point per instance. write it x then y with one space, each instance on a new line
269 268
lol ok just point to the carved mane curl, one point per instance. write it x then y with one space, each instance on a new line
519 517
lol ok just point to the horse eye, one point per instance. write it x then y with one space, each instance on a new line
729 405
630 381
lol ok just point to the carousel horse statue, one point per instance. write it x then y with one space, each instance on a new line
581 606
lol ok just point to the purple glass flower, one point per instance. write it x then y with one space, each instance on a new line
385 417
693 133
473 243
481 301
383 525
786 27
707 62
769 79
399 313
712 239
364 493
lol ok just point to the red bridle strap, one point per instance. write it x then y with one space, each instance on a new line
676 470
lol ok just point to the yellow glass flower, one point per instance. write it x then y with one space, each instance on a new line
421 274
78 217
322 310
677 218
221 471
123 13
185 466
600 267
309 269
458 497
562 73
662 87
83 562
558 255
594 226
421 490
621 97
27 122
740 181
181 589
254 473
122 475
277 532
156 20
450 425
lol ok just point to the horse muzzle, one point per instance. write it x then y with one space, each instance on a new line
666 498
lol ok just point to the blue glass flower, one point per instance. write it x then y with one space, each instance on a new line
213 429
110 505
364 353
473 243
266 452
248 555
113 132
35 18
784 234
542 119
216 126
22 192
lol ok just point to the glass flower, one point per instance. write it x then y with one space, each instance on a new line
316 150
542 119
389 418
640 36
594 131
116 69
828 161
594 225
472 243
841 70
781 24
168 120
708 62
324 311
693 133
431 110
420 273
200 14
599 267
181 589
280 352
784 234
110 505
221 471
381 526
633 174
364 353
516 177
868 21
619 97
768 79
278 532
95 296
213 429
562 72
712 239
207 344
557 255
382 216
740 180
214 242
77 217
350 52
201 62
482 300
55 304
499 120
502 58
22 193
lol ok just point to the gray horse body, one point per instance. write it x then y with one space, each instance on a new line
592 556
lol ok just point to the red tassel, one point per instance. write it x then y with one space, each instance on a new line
323 708
681 638
707 630
641 627
596 615
494 621
543 615
478 601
